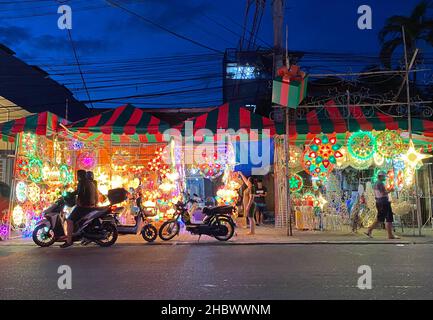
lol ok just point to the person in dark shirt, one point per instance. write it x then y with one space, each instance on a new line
383 206
259 193
86 202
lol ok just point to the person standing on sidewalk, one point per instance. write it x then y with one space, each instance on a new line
383 205
260 193
248 203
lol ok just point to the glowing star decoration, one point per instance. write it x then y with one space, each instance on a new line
34 193
295 182
361 145
35 170
389 143
412 157
321 202
295 158
158 164
21 191
86 160
18 216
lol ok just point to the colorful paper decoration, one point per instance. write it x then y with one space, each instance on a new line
295 182
361 145
389 143
21 191
35 170
413 158
86 160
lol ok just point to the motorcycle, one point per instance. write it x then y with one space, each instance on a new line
97 226
217 223
142 224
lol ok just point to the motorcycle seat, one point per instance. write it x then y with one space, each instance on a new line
210 211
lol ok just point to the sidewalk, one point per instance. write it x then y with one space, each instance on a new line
268 235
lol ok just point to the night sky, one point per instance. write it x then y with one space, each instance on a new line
123 56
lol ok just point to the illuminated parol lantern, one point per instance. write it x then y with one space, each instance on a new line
361 145
389 143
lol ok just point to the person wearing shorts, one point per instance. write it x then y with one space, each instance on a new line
383 206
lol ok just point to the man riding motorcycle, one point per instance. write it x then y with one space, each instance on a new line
86 202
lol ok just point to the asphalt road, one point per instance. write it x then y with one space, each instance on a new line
218 272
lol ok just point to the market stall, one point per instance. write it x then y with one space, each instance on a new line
332 155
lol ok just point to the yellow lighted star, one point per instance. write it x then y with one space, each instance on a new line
412 157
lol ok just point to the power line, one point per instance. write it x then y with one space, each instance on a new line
162 27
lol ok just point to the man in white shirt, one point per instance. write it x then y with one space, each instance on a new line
383 205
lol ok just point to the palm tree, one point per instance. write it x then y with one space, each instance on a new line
418 28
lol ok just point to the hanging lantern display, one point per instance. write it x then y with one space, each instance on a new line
22 168
389 144
76 145
65 175
86 160
359 164
18 216
295 182
33 193
295 153
21 191
321 155
344 161
378 159
412 158
35 170
158 165
28 143
361 145
211 167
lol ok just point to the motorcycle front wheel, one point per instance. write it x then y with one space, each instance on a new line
149 233
43 236
111 237
227 225
169 230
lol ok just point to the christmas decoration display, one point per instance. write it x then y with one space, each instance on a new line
321 155
360 164
76 145
295 158
29 144
289 89
4 231
21 191
86 160
18 216
158 165
389 143
66 177
344 161
412 158
361 145
35 170
295 182
33 193
22 166
378 159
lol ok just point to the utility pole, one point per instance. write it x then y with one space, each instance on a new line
409 127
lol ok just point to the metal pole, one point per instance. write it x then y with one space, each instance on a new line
287 151
409 119
12 194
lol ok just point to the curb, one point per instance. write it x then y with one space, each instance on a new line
242 243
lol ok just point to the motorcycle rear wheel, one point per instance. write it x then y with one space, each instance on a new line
149 233
228 223
169 230
42 237
112 235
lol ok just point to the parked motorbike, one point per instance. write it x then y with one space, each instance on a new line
217 223
98 226
142 225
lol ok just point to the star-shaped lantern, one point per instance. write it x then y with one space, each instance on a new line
412 157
